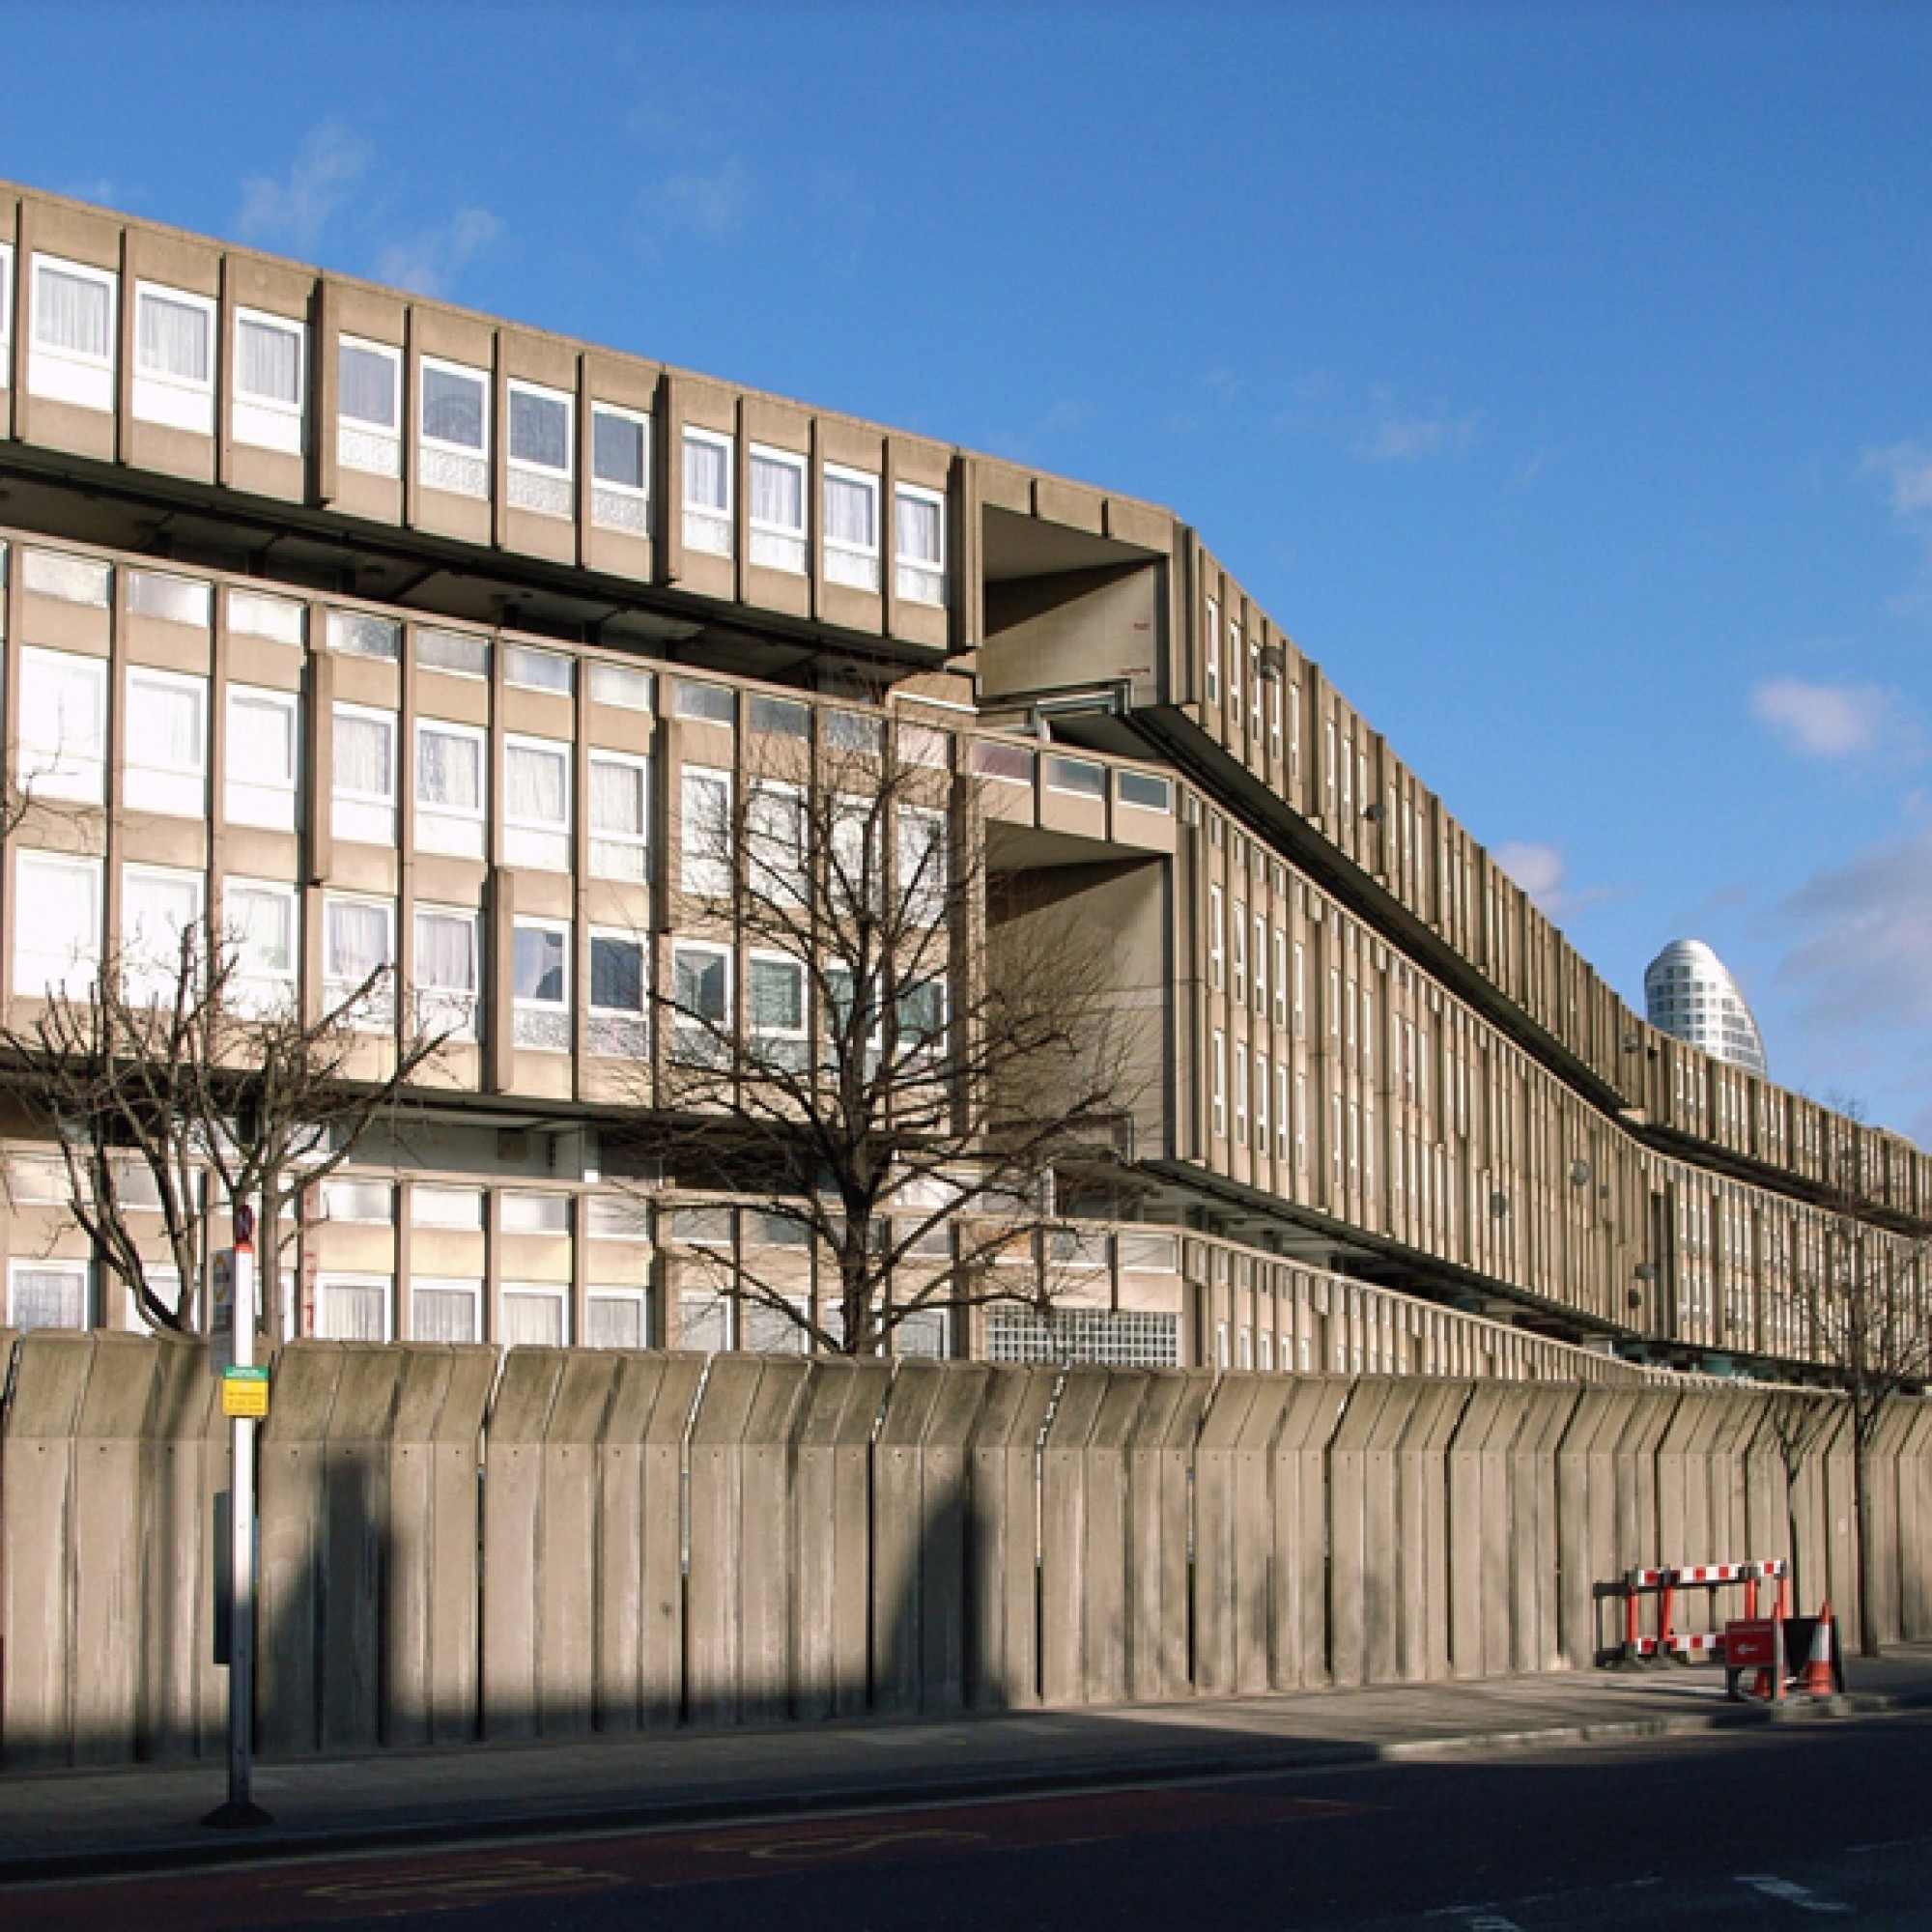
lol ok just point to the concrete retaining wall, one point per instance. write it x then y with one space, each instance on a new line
457 1547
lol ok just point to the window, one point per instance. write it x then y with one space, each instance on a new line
536 804
47 1295
365 775
358 960
920 533
1281 1112
851 529
1240 1094
1213 651
449 788
263 757
354 1307
534 1317
6 314
531 669
453 424
446 1311
925 864
775 843
73 580
58 950
702 1002
1217 969
356 634
1240 931
778 509
920 1013
855 879
167 744
620 470
270 381
258 931
540 466
1144 791
540 976
850 1034
369 407
528 1212
620 685
616 1216
158 909
619 816
707 492
71 357
174 358
708 703
1220 1087
63 724
368 1204
457 653
1234 673
448 967
1076 776
615 1320
617 1028
174 600
1260 1102
1261 966
775 999
1281 977
459 1207
705 832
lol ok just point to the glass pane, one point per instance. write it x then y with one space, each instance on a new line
532 1320
172 337
369 381
778 995
453 651
452 407
778 492
71 312
851 510
539 964
616 450
540 429
707 474
617 975
537 670
267 362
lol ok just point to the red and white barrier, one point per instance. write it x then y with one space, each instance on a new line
1666 1582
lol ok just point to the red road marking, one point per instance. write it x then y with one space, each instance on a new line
405 1882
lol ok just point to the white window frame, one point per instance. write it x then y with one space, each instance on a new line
73 975
920 580
614 505
467 1286
82 776
629 1298
369 802
444 462
708 527
523 832
711 949
1260 933
779 885
1281 1115
532 1291
1218 1094
704 873
73 376
624 855
855 565
453 1011
533 1014
458 831
1235 671
82 1271
372 447
340 1278
270 422
543 489
797 1038
375 1014
159 396
153 973
6 314
932 1050
1212 653
276 807
618 1033
1217 939
775 546
252 987
1260 1093
175 791
923 889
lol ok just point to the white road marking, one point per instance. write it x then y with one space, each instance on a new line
1791 1894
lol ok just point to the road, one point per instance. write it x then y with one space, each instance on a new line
1791 1826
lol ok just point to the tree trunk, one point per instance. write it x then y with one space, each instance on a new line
1868 1639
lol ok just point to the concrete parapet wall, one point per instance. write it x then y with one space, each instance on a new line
458 1547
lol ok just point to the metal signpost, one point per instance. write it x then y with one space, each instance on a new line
245 1398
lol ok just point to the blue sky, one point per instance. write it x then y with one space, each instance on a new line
1560 377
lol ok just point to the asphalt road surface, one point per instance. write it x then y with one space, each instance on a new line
1789 1827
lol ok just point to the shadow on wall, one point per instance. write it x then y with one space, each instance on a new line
455 1550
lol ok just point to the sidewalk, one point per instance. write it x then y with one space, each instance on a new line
90 1823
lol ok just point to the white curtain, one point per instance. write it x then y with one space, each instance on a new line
172 337
449 770
364 761
777 494
261 740
61 941
268 361
446 951
71 312
359 939
155 909
164 726
355 1311
50 1299
534 1321
850 513
536 785
444 1314
617 798
264 926
614 1321
61 703
707 475
918 531
369 381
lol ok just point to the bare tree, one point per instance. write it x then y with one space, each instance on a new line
1862 1295
890 1087
175 1079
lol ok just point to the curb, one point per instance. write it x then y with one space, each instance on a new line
211 1852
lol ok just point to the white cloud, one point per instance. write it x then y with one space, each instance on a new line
428 264
1906 466
1830 721
292 212
1539 869
1396 437
715 203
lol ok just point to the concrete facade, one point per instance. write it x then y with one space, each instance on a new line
497 596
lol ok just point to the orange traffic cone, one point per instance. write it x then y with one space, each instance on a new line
1817 1680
